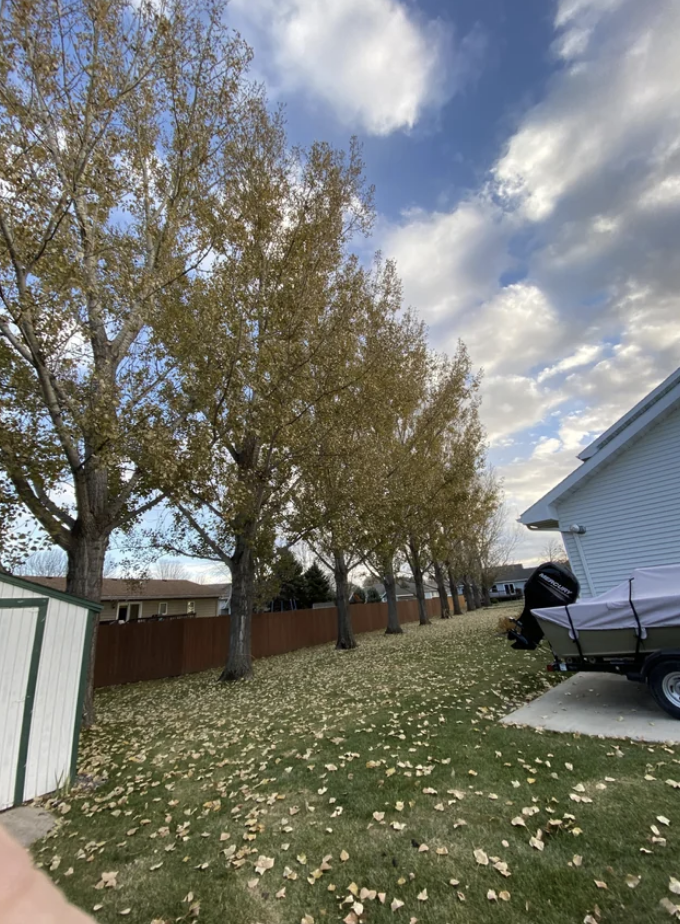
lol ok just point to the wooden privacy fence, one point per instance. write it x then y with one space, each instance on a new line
132 651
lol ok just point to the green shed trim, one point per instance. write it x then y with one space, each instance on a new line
40 604
92 618
48 592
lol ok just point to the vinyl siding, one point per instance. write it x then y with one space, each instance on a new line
55 705
630 508
56 699
17 631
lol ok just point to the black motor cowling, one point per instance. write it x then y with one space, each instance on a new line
549 585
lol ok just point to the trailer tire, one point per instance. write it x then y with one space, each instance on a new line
664 682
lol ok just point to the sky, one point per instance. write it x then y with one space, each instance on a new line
526 159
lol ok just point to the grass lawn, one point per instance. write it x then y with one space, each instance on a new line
341 786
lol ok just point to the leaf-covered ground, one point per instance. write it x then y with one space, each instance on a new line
373 785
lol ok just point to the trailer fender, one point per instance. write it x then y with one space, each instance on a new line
650 663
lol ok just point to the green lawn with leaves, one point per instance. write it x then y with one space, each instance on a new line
367 786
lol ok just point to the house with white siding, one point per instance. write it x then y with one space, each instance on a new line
620 509
508 582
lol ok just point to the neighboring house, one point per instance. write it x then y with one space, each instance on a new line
129 600
621 509
406 590
509 582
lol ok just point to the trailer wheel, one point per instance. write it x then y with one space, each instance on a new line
664 682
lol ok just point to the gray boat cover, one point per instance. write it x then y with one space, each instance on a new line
655 596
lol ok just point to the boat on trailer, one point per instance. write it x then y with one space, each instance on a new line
632 629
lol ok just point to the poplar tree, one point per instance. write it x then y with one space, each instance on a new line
114 121
265 335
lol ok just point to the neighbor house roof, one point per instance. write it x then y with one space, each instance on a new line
404 587
151 589
514 572
632 426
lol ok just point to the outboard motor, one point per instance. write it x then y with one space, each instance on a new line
549 585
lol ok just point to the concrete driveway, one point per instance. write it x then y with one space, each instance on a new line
599 704
27 823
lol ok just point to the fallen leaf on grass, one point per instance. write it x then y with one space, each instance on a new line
481 857
600 884
668 906
504 896
263 864
674 886
633 881
396 904
491 895
108 881
344 856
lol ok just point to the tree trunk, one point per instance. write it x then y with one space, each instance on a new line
453 583
467 593
239 664
441 590
416 568
390 582
477 596
346 638
84 579
486 596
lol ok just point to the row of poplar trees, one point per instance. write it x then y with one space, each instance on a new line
183 321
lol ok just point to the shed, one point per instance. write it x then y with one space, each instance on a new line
620 510
45 638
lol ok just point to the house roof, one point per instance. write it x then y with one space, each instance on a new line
664 399
514 572
56 592
151 589
403 587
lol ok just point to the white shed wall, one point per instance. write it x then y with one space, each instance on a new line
56 700
630 508
54 715
17 631
10 592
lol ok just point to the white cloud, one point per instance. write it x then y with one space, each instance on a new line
583 356
620 104
513 403
450 261
374 62
591 178
514 330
